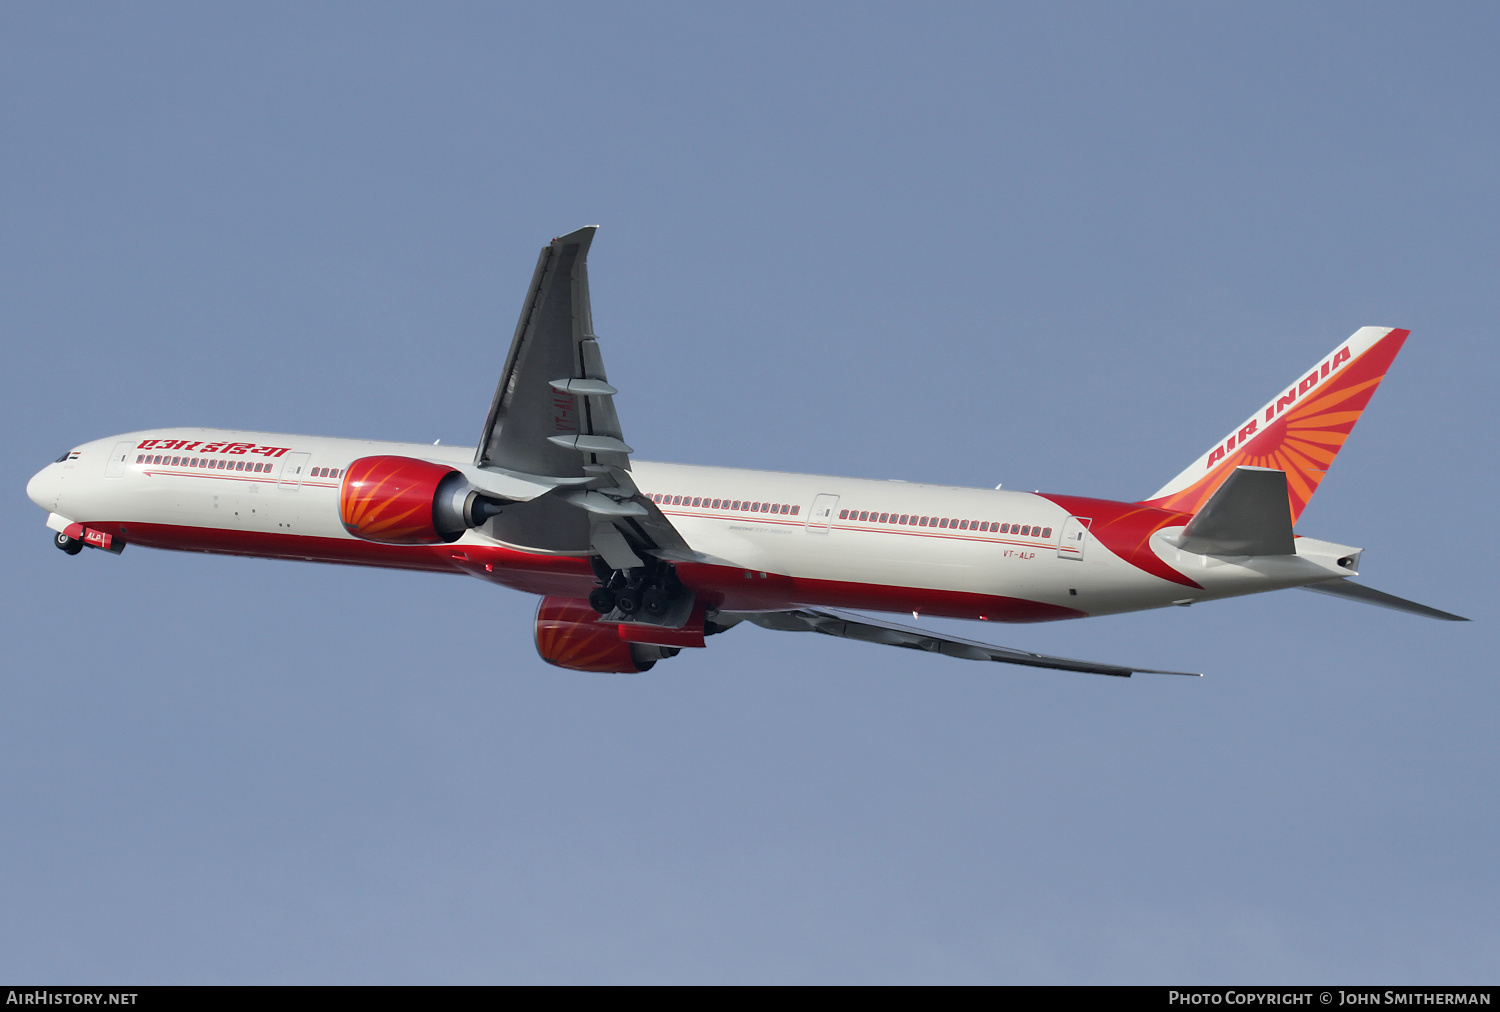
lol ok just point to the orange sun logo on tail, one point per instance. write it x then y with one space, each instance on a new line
1300 430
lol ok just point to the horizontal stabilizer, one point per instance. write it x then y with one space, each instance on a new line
1359 592
1247 515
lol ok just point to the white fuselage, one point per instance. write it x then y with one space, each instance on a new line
939 549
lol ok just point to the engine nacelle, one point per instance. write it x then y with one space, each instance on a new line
570 635
406 501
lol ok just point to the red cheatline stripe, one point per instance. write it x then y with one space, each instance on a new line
902 529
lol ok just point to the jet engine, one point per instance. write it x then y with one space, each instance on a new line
570 635
406 501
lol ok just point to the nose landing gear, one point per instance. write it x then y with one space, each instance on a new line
70 545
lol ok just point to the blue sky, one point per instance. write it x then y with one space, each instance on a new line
1064 247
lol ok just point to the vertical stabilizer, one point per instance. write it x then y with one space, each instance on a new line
1300 430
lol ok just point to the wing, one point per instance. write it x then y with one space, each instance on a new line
872 630
553 423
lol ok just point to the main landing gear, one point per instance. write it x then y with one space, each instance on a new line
70 545
646 594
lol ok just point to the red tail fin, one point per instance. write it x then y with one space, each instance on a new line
1299 431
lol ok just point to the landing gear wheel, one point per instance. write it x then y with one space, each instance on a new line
70 545
654 602
628 601
602 600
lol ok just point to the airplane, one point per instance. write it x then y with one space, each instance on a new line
636 561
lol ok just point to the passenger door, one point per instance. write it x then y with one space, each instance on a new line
1075 532
293 470
821 514
115 467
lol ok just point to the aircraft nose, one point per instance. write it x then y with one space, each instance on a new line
42 488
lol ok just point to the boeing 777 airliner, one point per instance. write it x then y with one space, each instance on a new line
635 561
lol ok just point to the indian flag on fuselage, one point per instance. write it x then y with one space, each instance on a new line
1300 430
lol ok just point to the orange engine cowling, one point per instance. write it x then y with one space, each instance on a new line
397 501
570 635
